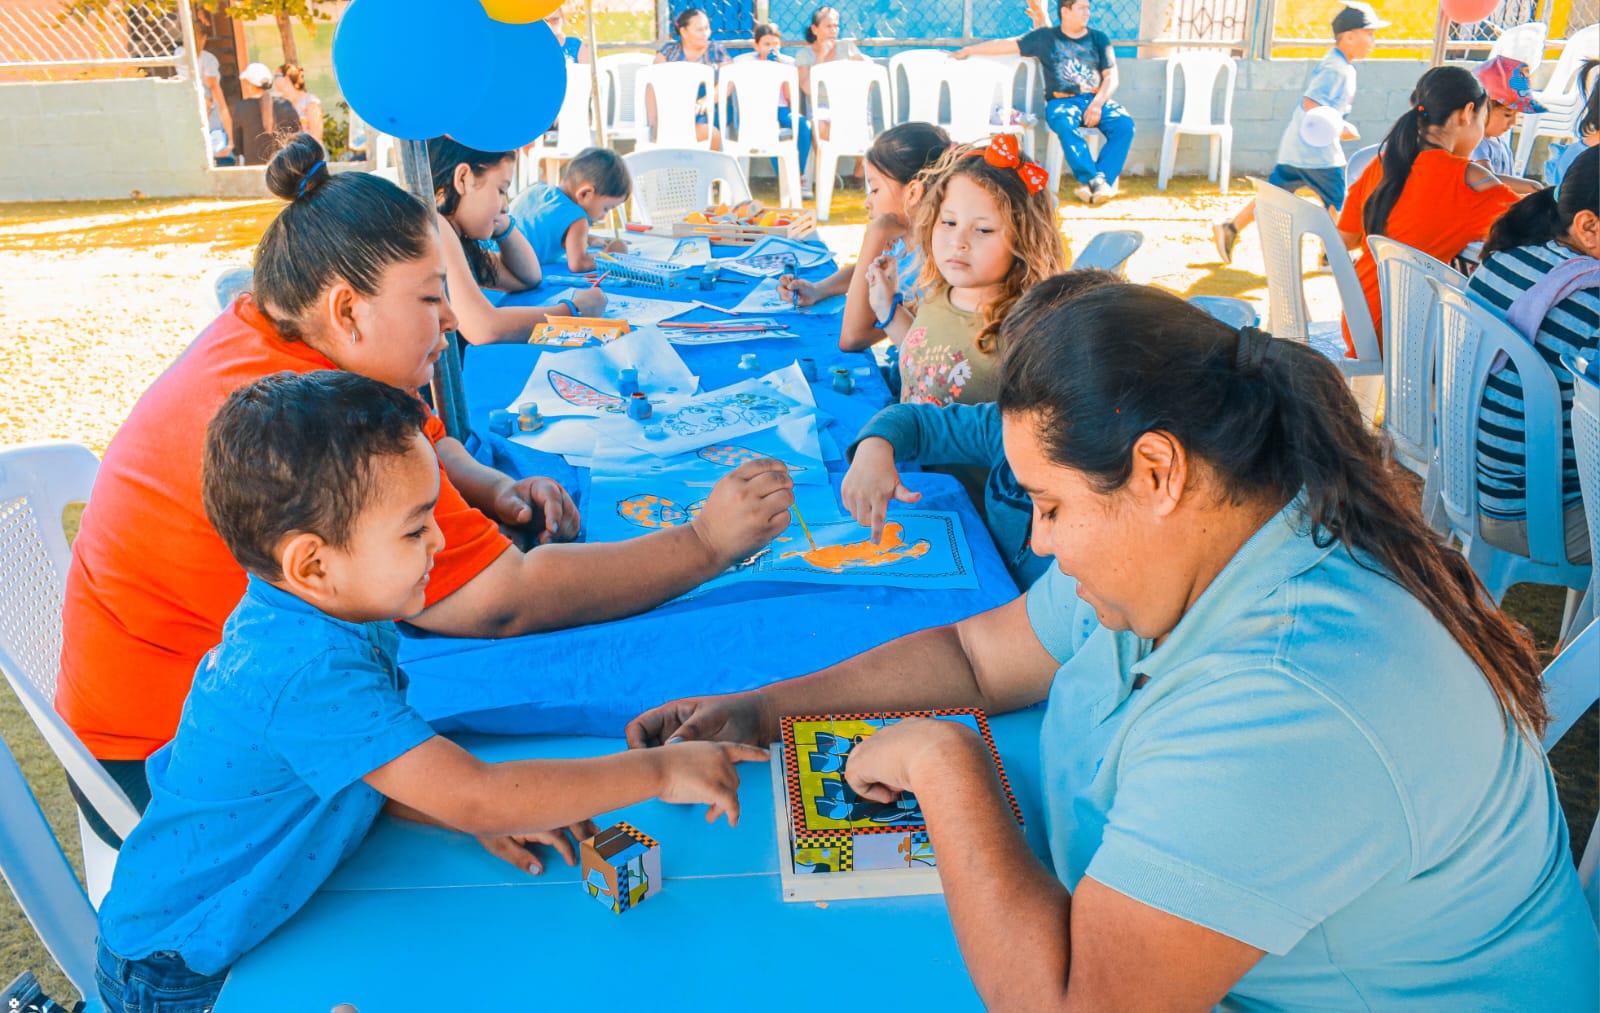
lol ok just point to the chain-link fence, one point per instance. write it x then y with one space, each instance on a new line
42 40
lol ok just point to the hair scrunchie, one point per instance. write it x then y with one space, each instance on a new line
1253 350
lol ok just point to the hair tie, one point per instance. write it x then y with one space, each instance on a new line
1003 153
1253 349
305 180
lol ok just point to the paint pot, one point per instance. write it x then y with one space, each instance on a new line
638 406
528 408
808 369
708 278
502 422
749 362
530 421
843 382
628 383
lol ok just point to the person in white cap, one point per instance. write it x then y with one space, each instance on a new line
1313 162
262 122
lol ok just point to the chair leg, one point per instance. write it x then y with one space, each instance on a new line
1053 157
1169 156
1225 161
1575 605
827 163
1526 136
789 165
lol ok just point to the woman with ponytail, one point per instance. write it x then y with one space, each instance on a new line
1541 271
1425 190
1290 756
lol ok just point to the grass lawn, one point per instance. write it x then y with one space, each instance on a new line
96 298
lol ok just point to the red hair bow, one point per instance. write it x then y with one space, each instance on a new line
1004 153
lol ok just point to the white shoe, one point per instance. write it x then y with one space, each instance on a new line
1085 193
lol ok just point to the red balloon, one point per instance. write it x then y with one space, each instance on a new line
1465 12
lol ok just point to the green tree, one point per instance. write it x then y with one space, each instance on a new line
284 12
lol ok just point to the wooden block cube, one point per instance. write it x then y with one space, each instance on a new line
621 866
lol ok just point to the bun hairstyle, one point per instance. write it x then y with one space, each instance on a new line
1440 93
1272 421
681 22
1547 214
818 15
347 228
295 74
903 152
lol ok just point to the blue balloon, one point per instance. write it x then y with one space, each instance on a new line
511 93
404 65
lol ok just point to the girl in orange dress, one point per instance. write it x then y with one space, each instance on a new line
1425 190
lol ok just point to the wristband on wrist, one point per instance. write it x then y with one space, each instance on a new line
511 223
572 307
888 319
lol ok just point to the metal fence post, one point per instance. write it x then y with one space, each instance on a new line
449 398
966 19
1261 29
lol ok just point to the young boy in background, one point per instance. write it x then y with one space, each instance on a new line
297 731
556 219
1332 84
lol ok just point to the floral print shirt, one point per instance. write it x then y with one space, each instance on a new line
939 359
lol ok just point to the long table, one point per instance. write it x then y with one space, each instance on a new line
423 919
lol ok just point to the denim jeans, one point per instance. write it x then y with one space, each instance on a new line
1064 115
802 134
159 983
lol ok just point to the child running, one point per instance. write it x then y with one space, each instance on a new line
961 435
297 730
895 161
987 227
1425 190
556 219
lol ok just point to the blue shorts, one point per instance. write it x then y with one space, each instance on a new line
1328 184
159 983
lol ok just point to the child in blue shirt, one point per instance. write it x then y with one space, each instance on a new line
960 435
1333 86
296 730
556 219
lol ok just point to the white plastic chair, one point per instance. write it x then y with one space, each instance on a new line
1561 96
1586 448
229 282
1523 43
975 88
1470 340
1284 221
618 73
914 76
1025 85
37 482
668 183
384 151
574 129
1409 357
754 86
43 882
1110 250
1199 70
1358 162
677 88
845 87
1236 313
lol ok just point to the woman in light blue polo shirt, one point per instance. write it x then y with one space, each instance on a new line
1290 757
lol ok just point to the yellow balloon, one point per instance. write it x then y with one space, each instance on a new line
520 12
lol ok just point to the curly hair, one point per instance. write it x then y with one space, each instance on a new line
1036 248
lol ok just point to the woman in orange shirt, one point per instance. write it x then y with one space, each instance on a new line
1425 190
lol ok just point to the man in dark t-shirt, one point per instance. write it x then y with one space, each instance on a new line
1080 75
254 137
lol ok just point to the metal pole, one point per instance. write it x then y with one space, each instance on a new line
449 398
966 20
1441 37
191 53
1262 26
597 107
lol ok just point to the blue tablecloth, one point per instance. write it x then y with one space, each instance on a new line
591 680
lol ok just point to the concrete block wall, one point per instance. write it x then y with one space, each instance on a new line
87 140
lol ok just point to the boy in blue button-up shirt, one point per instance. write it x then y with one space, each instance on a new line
297 729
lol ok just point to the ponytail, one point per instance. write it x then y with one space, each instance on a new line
1439 94
1273 420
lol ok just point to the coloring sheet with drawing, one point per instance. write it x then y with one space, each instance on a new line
764 298
772 256
620 507
718 416
793 441
585 381
635 309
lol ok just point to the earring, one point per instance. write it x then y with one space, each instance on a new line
354 337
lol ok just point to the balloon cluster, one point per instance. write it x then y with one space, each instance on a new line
489 74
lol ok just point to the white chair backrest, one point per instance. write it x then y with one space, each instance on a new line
1358 162
1470 341
1109 251
1581 45
845 88
575 121
618 73
677 88
914 76
1199 70
668 183
37 482
42 879
976 88
383 152
1523 43
1024 73
1408 344
1586 447
1284 220
754 87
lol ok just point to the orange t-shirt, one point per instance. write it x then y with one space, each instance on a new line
151 581
1437 213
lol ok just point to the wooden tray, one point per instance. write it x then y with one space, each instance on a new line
803 222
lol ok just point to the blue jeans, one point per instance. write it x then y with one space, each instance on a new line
1063 115
802 134
159 983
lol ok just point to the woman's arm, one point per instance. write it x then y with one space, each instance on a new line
988 47
858 330
312 124
516 266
